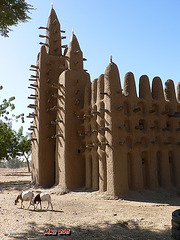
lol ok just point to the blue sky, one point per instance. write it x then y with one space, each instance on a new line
143 36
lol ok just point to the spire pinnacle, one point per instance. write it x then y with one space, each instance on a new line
53 39
72 31
74 53
111 59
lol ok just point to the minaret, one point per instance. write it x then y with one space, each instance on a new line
53 34
50 65
74 54
73 82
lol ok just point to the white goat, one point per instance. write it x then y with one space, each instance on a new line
25 196
41 197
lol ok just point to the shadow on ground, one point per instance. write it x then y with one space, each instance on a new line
123 230
15 185
128 230
18 174
162 196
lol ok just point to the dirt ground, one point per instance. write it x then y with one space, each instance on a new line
89 215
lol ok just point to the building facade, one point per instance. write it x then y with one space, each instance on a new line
98 134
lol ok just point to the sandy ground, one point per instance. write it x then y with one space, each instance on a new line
89 215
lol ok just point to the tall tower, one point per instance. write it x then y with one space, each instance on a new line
70 161
50 64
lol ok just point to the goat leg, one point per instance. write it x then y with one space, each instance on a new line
29 205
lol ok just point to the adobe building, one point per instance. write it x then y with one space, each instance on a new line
99 134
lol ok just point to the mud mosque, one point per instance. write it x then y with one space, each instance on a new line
98 134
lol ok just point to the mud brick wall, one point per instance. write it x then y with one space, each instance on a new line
99 134
49 66
139 145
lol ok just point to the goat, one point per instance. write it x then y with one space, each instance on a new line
25 196
41 197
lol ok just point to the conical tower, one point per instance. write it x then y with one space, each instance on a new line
50 64
70 161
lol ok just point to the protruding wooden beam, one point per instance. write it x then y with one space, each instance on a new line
120 108
56 85
45 44
43 28
55 108
32 106
153 127
58 96
32 88
34 66
35 70
64 46
94 112
34 85
137 109
104 110
33 139
34 76
104 143
87 116
43 36
32 115
56 136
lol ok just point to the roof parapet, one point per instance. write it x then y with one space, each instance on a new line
129 88
157 89
144 87
169 91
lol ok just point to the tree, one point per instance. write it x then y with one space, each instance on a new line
12 144
8 106
24 146
8 142
12 12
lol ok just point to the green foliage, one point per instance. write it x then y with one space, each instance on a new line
13 12
8 106
13 145
7 142
24 145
